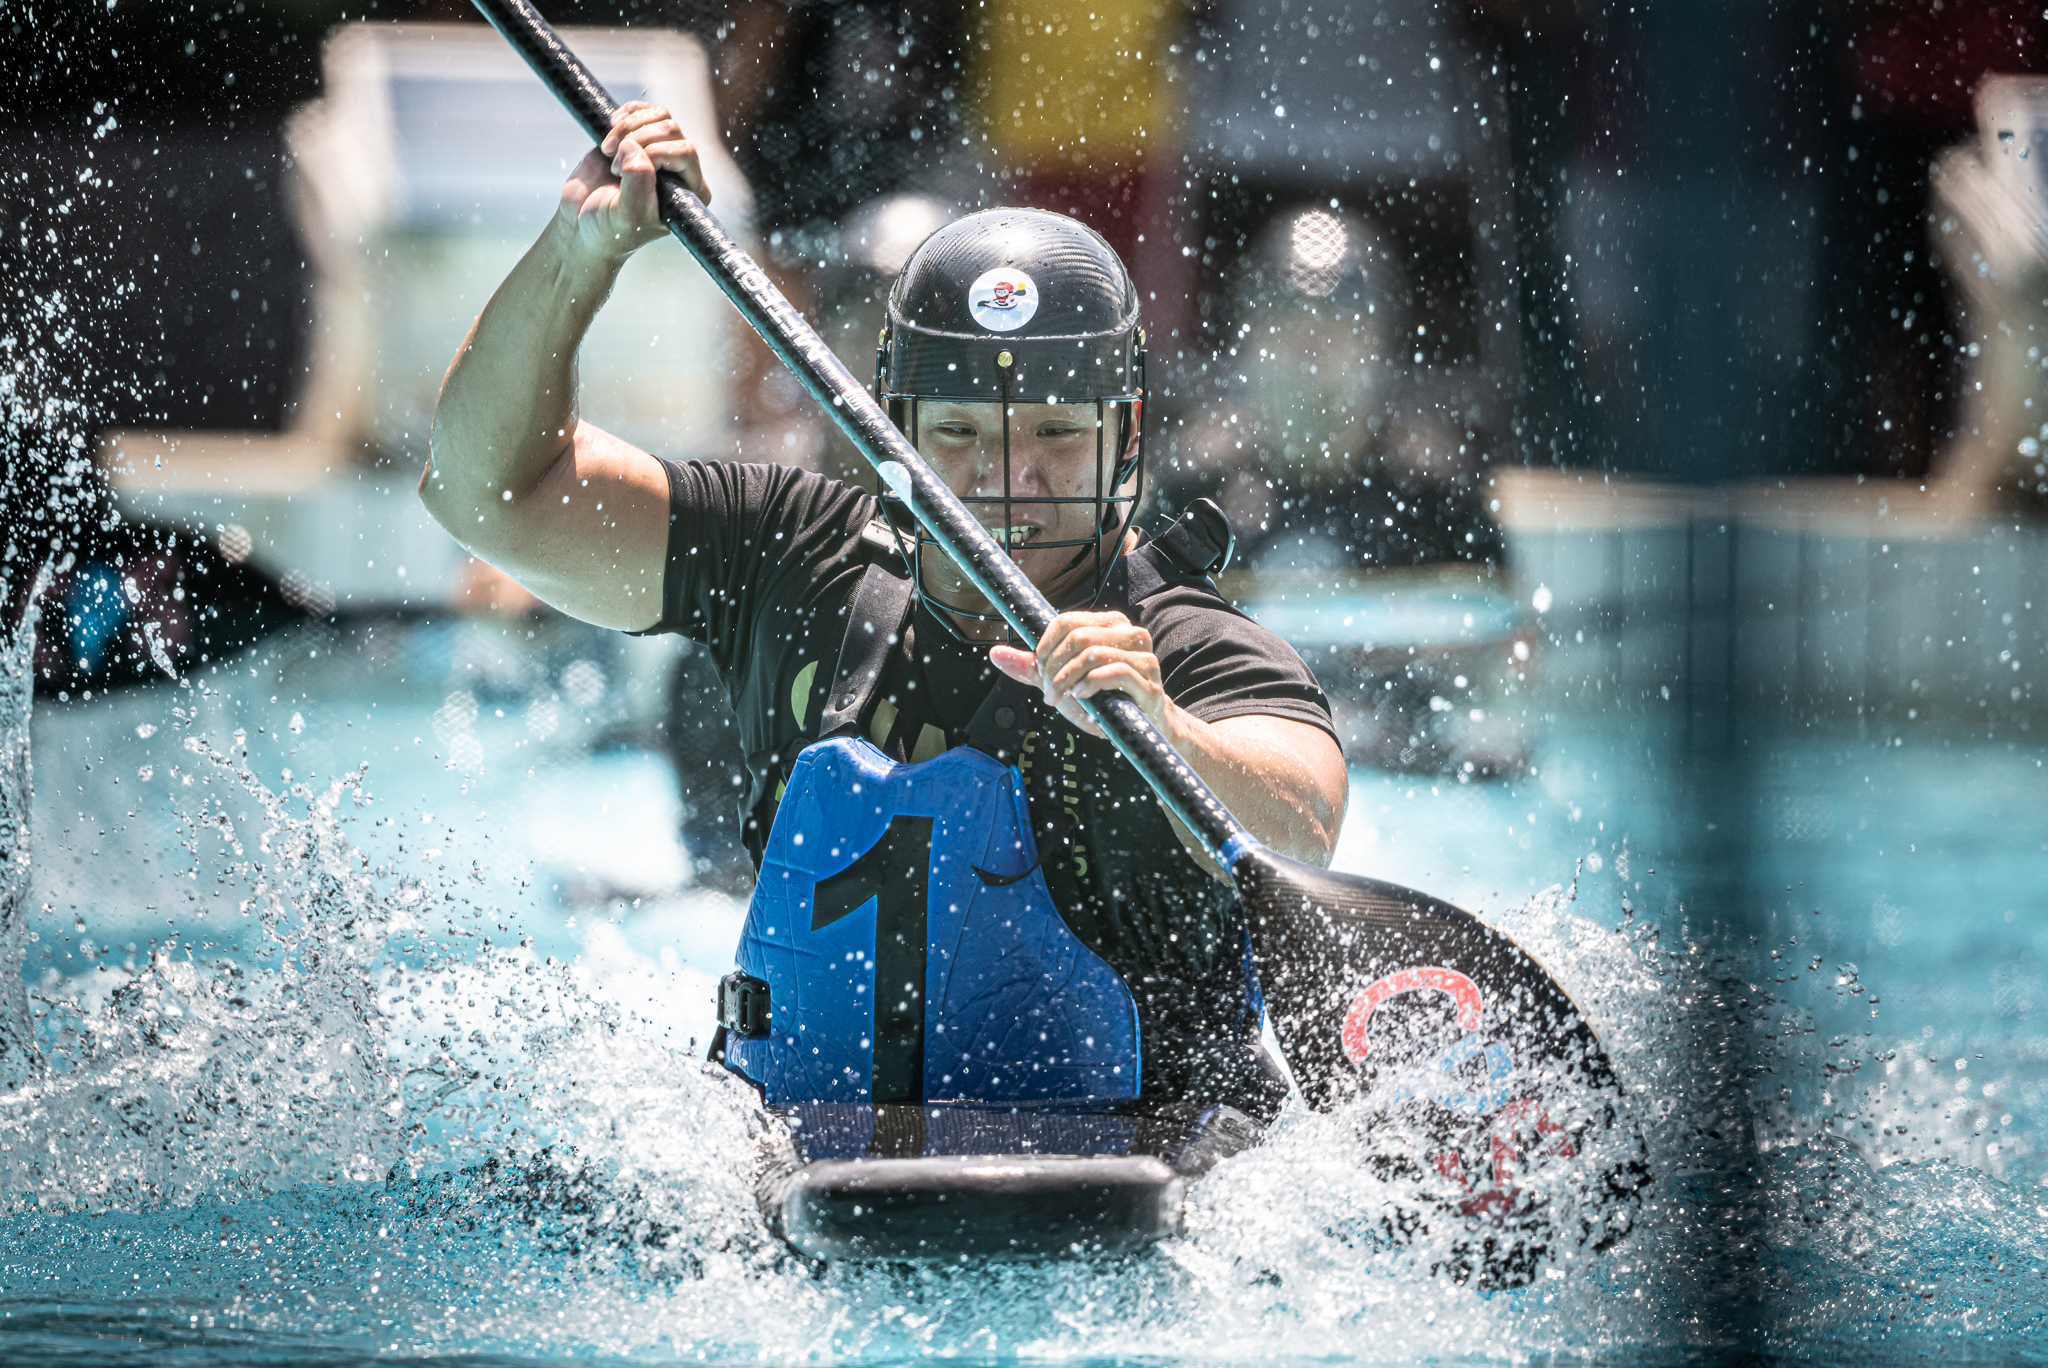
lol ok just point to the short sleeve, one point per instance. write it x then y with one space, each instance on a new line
1217 663
743 538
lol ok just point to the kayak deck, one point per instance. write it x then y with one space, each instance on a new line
943 1181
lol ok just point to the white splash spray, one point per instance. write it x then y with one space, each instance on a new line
20 1061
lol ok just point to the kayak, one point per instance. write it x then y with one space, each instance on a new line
947 1181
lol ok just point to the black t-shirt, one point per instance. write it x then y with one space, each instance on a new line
763 562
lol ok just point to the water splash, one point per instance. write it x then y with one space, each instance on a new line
340 1139
211 1076
20 1061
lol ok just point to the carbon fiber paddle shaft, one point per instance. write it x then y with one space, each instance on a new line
848 403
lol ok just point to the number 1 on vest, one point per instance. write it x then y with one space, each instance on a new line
892 873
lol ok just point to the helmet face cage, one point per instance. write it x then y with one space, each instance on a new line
1012 306
1115 511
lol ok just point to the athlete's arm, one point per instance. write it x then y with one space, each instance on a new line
574 514
1285 780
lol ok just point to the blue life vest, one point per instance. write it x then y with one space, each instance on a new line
911 949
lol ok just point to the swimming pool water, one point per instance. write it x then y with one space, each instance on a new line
413 1072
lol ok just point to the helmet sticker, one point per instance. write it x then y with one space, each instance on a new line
1003 300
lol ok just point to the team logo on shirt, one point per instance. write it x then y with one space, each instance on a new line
1003 300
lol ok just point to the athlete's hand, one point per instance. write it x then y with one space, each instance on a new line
1084 654
609 200
1284 779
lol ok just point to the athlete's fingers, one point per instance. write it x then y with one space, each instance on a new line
1067 623
1134 672
1124 676
661 137
1076 665
678 154
631 115
1128 635
647 135
593 173
1021 666
636 186
1074 632
1085 653
1059 667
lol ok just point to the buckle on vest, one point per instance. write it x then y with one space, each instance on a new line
743 1005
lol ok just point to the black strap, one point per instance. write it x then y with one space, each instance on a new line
881 535
1152 567
875 618
999 725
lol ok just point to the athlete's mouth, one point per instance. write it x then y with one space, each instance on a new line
1015 535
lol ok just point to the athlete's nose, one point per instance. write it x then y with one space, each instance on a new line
1026 479
1023 484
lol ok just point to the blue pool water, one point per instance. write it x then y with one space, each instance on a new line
1364 621
367 994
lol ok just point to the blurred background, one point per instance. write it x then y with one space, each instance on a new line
1629 409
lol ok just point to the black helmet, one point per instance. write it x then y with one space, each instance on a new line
1038 286
1022 306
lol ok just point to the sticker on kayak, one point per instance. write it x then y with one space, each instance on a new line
1003 300
1464 995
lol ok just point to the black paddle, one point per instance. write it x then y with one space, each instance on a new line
1370 987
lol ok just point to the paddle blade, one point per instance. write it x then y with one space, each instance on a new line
1467 1070
1372 986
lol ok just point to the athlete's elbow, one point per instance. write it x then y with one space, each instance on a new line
459 490
1308 840
1295 828
430 487
444 498
1322 844
1320 818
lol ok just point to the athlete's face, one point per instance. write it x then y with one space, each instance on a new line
1053 456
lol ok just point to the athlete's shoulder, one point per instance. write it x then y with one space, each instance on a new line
799 511
760 484
1193 607
1174 595
1171 576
